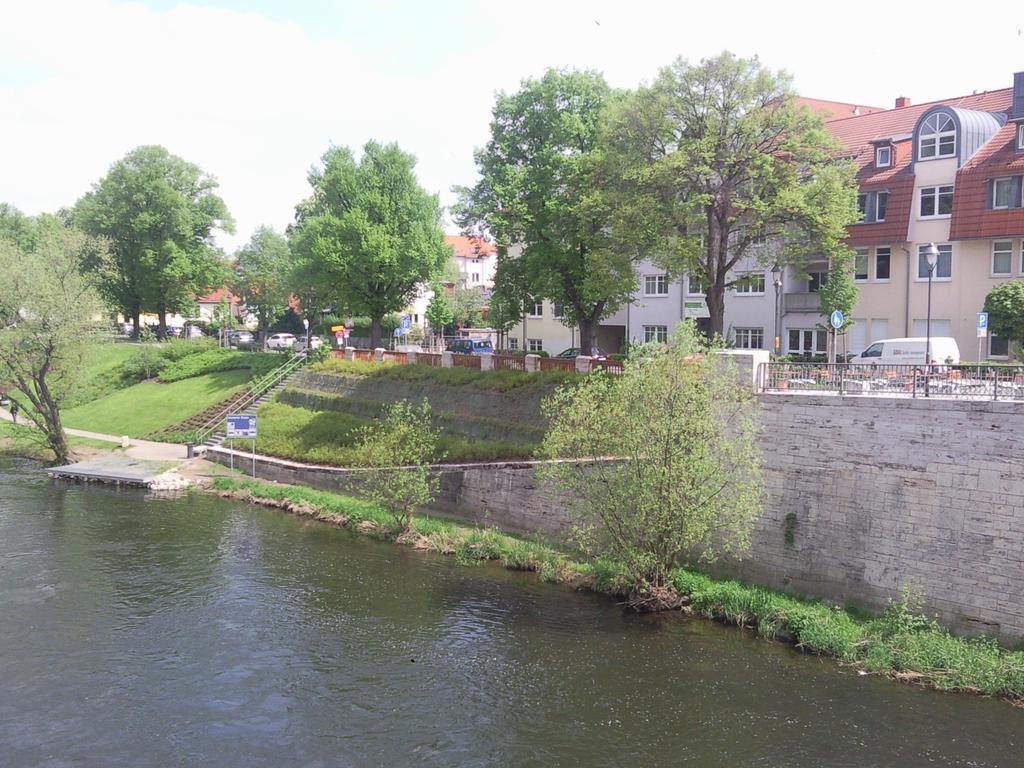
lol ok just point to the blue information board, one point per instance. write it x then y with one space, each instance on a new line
241 426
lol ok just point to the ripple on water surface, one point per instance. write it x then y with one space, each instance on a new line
199 631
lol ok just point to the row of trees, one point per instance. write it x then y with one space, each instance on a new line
580 182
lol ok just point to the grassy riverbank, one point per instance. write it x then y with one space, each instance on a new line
900 643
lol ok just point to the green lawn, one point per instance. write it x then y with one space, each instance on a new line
151 406
100 375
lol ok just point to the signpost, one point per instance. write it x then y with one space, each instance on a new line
836 320
982 333
241 425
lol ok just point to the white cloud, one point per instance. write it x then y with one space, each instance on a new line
255 101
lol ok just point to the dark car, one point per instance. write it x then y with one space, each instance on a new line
471 347
573 352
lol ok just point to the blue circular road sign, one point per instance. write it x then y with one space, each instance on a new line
836 318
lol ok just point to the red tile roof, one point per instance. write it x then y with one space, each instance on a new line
834 110
217 295
855 136
999 157
470 247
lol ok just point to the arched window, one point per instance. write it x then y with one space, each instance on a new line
937 137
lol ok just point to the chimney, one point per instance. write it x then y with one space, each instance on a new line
902 101
1018 96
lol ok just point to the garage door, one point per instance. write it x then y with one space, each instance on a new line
857 336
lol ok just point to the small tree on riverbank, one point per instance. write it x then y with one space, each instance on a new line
667 468
398 450
48 311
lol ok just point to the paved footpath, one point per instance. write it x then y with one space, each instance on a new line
138 449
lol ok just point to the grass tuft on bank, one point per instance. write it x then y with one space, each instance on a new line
494 381
901 643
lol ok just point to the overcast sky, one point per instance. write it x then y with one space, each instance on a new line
254 92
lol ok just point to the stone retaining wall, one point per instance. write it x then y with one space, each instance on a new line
865 495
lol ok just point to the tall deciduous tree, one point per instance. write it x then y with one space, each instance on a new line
262 270
537 191
1005 307
370 234
713 158
48 312
159 214
439 311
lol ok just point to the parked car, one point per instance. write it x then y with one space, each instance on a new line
470 346
315 342
574 352
175 331
242 339
910 351
281 341
193 332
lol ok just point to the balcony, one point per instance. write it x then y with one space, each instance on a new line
801 301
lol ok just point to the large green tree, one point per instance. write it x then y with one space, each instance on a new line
370 235
48 313
1005 307
537 191
159 214
262 271
712 160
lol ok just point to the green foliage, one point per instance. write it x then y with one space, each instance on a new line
262 270
840 289
1005 307
901 643
397 451
146 363
654 485
369 235
495 381
176 349
466 305
439 312
158 213
537 190
710 159
215 360
47 306
330 437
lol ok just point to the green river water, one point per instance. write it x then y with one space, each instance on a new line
187 631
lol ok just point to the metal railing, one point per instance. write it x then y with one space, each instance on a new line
509 363
432 359
609 366
395 357
259 388
466 361
957 382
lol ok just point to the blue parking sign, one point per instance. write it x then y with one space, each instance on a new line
982 320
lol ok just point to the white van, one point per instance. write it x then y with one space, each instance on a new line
909 352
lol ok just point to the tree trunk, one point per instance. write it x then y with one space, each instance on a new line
375 332
161 331
715 298
50 412
136 323
586 328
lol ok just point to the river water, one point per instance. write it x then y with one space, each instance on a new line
200 631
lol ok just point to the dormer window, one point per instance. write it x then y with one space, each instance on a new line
1020 136
937 137
883 157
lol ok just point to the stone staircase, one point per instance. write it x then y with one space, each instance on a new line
210 432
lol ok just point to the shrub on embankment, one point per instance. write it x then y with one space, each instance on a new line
901 643
471 378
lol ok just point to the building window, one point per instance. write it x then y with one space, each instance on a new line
558 311
937 137
881 204
943 267
476 277
1002 192
535 345
416 319
862 206
750 284
658 333
749 338
860 264
883 261
535 308
1020 136
998 346
513 343
815 280
1002 257
655 285
883 157
694 286
808 341
936 201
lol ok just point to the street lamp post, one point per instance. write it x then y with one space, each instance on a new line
931 255
777 281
